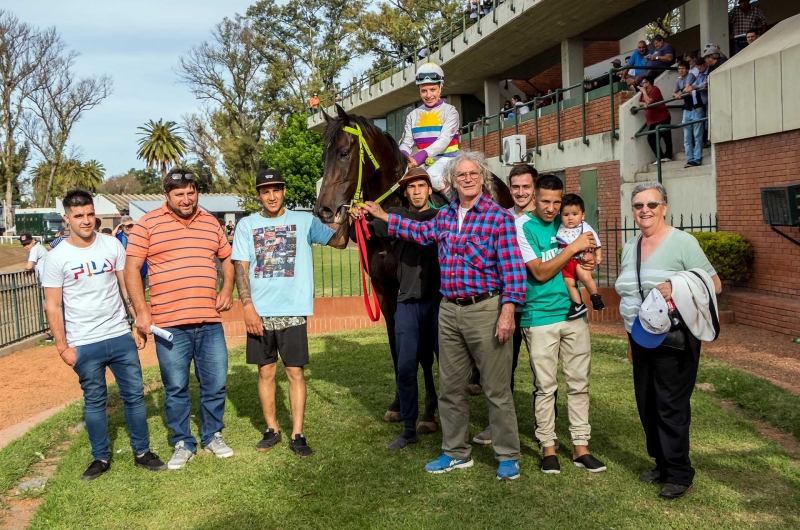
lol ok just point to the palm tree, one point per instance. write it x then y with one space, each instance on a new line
160 145
90 176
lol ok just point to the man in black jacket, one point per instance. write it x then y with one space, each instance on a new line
417 316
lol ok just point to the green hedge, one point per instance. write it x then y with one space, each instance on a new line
729 253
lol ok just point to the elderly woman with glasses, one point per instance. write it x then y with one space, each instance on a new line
663 376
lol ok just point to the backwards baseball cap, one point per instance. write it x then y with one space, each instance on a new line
652 325
269 176
711 49
414 173
24 239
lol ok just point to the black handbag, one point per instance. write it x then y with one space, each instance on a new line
676 336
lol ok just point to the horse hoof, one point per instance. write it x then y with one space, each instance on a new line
391 417
474 390
427 427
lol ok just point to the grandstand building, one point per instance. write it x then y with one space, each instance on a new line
593 137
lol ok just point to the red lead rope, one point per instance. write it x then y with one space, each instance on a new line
362 236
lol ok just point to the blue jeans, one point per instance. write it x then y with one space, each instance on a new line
205 344
693 135
120 355
416 333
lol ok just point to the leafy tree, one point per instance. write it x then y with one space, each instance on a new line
240 95
399 28
27 56
160 145
120 184
56 107
148 178
71 174
297 154
89 176
307 42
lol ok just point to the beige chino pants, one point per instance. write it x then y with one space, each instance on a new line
467 333
569 342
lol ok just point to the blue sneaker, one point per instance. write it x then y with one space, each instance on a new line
446 463
508 470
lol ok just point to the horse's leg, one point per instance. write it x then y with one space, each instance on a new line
388 307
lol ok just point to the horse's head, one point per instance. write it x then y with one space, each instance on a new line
341 160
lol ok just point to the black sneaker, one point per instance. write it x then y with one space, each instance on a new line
550 465
271 438
671 492
402 442
688 164
95 469
653 476
589 463
576 311
149 461
597 302
299 446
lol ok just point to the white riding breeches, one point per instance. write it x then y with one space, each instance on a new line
436 172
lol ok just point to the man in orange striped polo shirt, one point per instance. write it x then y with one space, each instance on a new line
181 244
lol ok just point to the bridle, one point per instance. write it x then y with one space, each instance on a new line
363 147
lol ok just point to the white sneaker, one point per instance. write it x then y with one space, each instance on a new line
219 447
180 457
666 159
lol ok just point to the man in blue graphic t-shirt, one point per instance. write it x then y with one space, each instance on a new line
275 280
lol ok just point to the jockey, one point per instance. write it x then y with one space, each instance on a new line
432 127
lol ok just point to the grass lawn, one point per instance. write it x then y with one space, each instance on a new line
336 272
352 481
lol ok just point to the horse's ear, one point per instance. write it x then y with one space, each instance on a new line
326 116
342 113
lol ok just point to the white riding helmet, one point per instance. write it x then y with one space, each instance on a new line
430 73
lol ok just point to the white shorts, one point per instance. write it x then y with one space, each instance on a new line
436 172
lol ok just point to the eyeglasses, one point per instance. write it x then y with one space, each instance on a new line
650 205
464 175
187 176
432 78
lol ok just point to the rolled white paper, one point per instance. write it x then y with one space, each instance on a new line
158 332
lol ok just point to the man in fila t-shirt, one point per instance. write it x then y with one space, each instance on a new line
82 279
275 281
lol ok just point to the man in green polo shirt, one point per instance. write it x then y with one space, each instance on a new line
549 334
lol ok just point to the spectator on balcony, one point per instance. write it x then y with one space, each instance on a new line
479 123
690 58
714 57
741 20
508 110
471 9
692 111
655 116
520 107
637 62
752 35
662 55
699 90
313 103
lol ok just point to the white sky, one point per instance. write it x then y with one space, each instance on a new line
138 44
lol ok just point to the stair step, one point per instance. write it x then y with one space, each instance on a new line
676 172
682 155
675 164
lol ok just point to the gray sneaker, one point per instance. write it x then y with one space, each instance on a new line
180 456
219 447
484 438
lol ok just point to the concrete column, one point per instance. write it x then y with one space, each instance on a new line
455 100
491 96
714 23
571 64
690 14
628 44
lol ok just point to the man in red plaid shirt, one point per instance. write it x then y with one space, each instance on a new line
483 279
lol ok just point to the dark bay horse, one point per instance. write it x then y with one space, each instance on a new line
339 181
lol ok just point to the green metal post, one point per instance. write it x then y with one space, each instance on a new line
536 124
500 120
464 28
658 152
483 132
494 11
558 119
614 134
583 112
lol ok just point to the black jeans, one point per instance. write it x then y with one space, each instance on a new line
417 334
665 135
663 380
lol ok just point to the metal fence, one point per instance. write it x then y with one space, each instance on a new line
21 307
614 234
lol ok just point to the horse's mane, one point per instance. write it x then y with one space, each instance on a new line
336 124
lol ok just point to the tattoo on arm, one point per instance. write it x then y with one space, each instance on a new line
242 282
